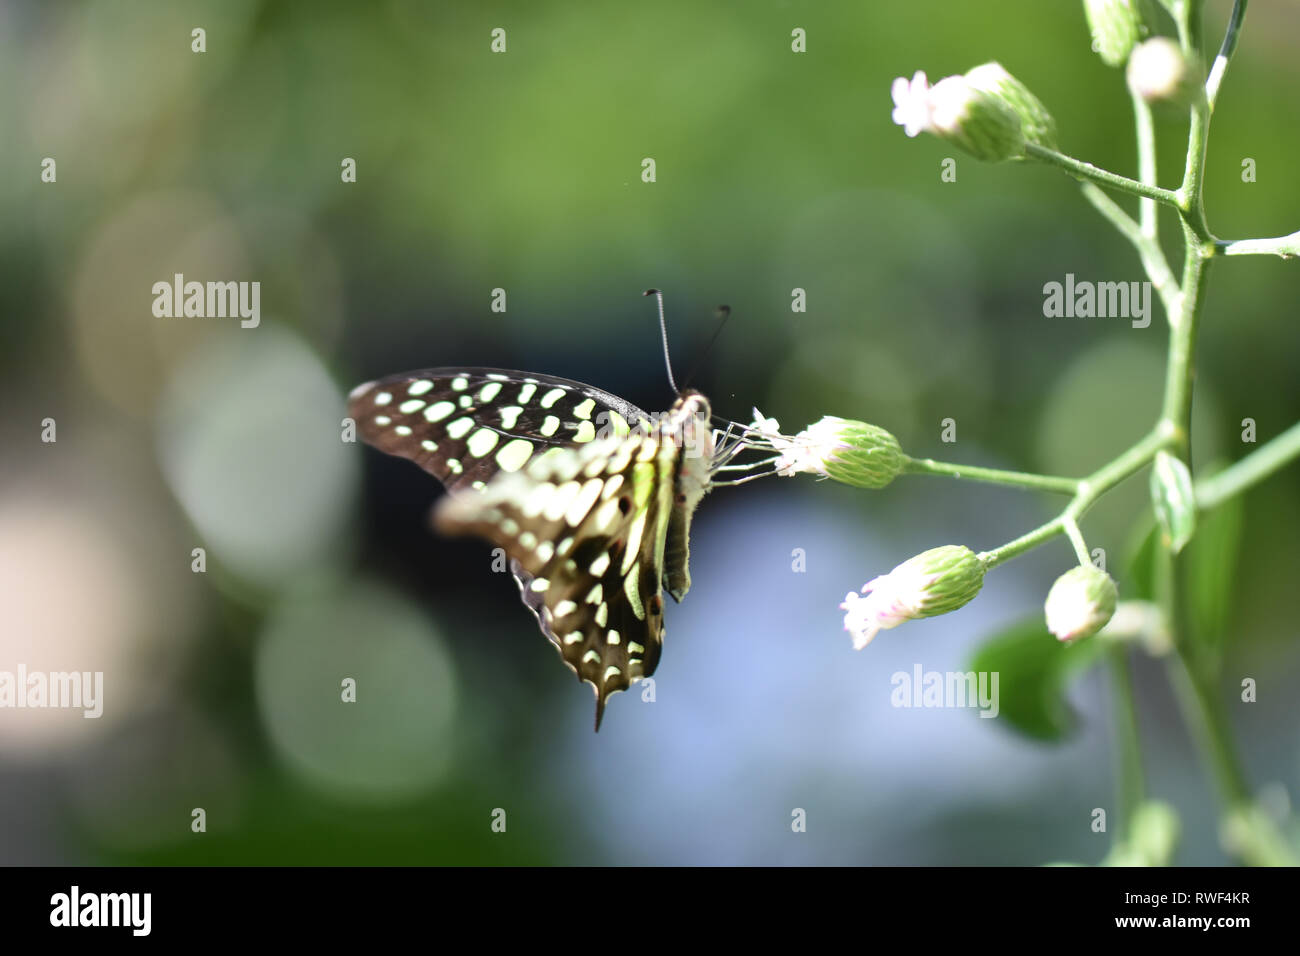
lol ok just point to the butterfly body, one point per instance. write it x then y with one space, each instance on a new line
590 497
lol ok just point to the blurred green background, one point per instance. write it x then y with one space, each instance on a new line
522 171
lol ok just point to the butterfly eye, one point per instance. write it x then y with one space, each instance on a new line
624 504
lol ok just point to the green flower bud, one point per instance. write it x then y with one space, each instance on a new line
1160 74
1080 603
1035 121
934 582
1116 27
974 120
853 452
1174 501
857 453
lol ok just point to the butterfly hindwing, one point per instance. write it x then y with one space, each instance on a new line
584 529
464 426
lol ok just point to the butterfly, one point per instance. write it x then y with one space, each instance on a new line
590 497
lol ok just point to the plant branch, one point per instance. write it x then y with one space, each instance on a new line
1071 529
1191 193
1287 247
1225 53
1130 778
1153 257
1089 490
1020 479
1254 468
1086 172
1146 146
1204 715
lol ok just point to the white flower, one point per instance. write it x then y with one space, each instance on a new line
922 108
934 582
984 123
912 103
891 601
795 451
853 452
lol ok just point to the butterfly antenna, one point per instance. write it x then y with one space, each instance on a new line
663 332
724 316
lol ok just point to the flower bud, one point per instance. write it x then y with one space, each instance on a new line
970 118
1035 121
1174 501
934 582
849 451
1116 26
1159 73
1080 603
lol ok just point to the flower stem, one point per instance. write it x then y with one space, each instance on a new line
1090 173
1089 490
1146 143
1252 469
1026 542
1130 778
1071 529
996 476
1153 257
1288 247
1225 53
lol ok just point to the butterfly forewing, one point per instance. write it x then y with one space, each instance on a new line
464 426
577 486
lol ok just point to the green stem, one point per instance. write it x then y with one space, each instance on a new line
1194 682
1191 193
1090 173
1225 53
1026 542
1254 468
1089 490
996 476
1180 369
1153 257
1288 247
1146 143
1130 778
1071 529
1204 715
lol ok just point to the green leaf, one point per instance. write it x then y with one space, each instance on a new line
1174 500
1138 582
1033 670
1211 563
